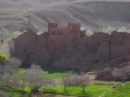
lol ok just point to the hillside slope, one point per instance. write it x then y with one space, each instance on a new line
94 15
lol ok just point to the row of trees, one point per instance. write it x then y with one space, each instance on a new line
31 77
34 79
76 80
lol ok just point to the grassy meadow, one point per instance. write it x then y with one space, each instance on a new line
46 74
94 89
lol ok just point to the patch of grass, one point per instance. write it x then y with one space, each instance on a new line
12 91
122 91
54 74
46 74
19 71
4 55
95 90
92 90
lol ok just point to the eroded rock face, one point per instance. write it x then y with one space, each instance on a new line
97 51
29 47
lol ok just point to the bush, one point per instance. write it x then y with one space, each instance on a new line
4 56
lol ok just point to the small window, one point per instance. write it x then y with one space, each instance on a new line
61 33
58 33
53 33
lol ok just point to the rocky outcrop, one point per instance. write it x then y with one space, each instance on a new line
95 52
29 47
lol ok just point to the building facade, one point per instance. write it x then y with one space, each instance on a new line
58 34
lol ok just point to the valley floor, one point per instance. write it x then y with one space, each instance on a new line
94 89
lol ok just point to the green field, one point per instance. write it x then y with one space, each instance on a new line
94 89
123 91
54 74
46 74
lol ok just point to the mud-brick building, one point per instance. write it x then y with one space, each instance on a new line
31 47
57 34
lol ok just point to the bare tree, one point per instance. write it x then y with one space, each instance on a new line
66 84
83 82
76 80
33 76
35 79
70 80
8 67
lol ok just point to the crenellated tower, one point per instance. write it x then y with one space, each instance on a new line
57 34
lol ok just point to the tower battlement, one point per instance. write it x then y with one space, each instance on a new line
52 26
57 33
74 25
73 29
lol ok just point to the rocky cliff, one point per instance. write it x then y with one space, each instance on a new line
95 52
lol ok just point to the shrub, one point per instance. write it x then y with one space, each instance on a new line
4 56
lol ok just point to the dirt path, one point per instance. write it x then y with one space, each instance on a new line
58 81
